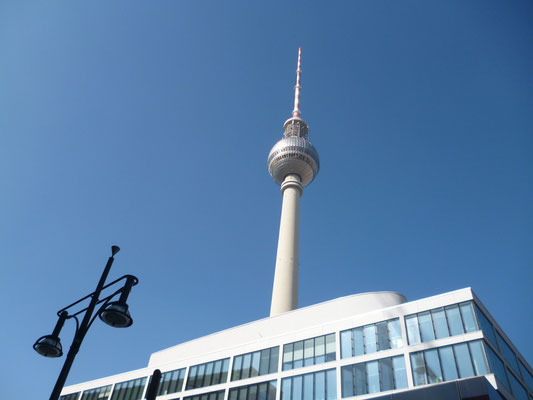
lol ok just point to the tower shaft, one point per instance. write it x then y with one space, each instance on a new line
285 291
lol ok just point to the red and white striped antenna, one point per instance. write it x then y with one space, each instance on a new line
296 111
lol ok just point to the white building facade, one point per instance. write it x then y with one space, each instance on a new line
371 345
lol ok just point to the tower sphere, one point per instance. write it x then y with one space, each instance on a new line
294 154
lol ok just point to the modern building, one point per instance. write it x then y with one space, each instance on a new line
371 345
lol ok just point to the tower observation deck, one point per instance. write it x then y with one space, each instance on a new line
293 163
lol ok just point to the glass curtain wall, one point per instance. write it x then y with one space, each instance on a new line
440 323
211 373
307 352
371 338
257 363
72 396
321 385
448 363
259 391
101 393
373 376
218 395
129 390
171 382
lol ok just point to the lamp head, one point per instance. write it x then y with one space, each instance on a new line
114 250
49 346
116 314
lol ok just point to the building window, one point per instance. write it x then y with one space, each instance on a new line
440 323
171 382
461 360
218 395
321 385
257 363
72 396
507 353
371 338
373 376
497 367
528 378
211 373
101 393
129 390
486 326
307 352
259 391
518 390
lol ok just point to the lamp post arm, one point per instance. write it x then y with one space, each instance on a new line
80 333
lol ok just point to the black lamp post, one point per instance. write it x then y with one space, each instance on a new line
114 313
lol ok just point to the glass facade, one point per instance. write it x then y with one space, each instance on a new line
321 385
373 376
371 338
440 323
519 392
307 352
259 391
171 382
218 395
253 364
211 373
72 396
447 363
528 378
507 353
486 326
129 390
101 393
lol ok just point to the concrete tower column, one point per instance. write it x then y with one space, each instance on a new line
285 291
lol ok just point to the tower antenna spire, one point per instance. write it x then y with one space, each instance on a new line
296 111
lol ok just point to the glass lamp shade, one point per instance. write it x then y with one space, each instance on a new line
49 346
116 314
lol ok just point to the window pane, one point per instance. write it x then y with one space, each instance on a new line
308 387
274 355
387 376
395 333
383 336
506 352
263 390
246 364
297 388
346 344
447 359
252 392
419 369
468 317
426 327
264 363
320 385
331 384
411 324
372 374
358 343
518 390
478 358
497 367
285 389
256 358
440 324
298 354
400 375
309 352
330 347
464 362
528 378
433 371
347 381
360 379
454 320
486 326
370 339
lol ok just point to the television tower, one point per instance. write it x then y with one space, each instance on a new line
293 163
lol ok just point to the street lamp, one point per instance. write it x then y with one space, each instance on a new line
113 313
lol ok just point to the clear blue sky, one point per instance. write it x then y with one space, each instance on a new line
147 124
